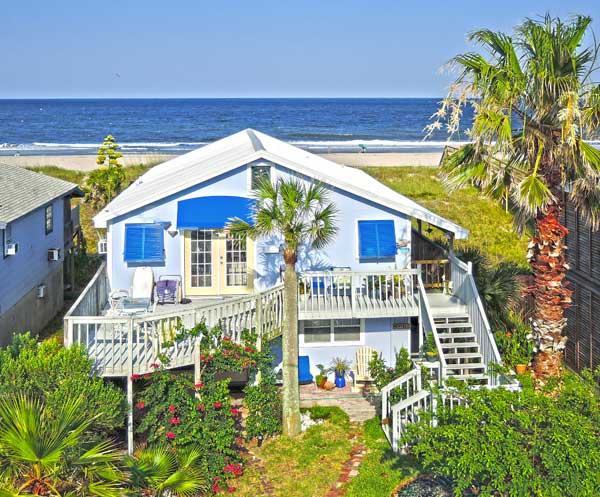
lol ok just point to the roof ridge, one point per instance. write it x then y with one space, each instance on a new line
255 140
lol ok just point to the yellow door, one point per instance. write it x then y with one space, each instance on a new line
217 263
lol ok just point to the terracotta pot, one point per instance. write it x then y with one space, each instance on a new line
521 368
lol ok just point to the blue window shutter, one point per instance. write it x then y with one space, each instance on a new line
144 243
376 239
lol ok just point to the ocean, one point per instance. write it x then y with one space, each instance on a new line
174 126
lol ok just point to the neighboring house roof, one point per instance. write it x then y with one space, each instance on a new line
23 191
247 146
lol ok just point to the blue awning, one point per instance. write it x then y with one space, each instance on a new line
212 212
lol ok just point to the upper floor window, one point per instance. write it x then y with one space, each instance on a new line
144 242
49 219
376 239
259 173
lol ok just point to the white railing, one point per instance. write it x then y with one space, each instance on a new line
121 346
427 324
345 293
92 300
463 287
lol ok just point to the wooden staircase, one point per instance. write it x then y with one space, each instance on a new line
460 349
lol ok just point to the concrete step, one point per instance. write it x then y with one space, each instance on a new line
466 368
459 345
454 326
452 319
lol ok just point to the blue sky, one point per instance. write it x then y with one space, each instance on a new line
244 48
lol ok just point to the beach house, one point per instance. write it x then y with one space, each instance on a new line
376 286
37 225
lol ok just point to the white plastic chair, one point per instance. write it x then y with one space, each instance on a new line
361 370
140 295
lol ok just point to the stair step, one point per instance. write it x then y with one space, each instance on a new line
466 367
453 326
454 318
447 336
460 345
463 355
469 377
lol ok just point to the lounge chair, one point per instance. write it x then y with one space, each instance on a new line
140 295
304 375
361 371
168 289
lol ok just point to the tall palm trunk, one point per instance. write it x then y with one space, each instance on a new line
291 391
548 262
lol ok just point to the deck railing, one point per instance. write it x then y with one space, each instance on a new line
463 287
434 272
92 300
427 324
121 346
345 293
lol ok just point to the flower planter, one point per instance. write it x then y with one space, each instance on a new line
340 379
521 368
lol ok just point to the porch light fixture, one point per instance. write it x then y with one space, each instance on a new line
402 243
172 232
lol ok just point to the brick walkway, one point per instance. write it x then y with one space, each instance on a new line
360 407
350 469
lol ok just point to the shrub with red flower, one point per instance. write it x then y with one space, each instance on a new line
155 365
199 386
172 409
234 411
140 405
170 435
201 407
175 421
217 405
233 469
135 376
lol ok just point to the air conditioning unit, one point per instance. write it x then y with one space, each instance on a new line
41 291
12 248
54 254
102 246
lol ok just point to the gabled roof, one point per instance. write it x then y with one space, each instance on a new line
247 146
23 191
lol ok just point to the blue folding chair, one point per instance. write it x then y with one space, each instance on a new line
304 375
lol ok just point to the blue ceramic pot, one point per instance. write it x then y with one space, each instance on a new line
340 379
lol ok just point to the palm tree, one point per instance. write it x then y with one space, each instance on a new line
535 103
44 454
301 215
163 471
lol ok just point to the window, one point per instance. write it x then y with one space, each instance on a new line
331 331
144 243
49 219
3 242
259 173
376 239
6 239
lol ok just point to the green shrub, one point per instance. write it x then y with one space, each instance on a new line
516 443
382 375
52 373
264 409
333 414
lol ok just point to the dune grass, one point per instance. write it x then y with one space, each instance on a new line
491 228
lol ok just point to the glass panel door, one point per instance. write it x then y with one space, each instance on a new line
236 260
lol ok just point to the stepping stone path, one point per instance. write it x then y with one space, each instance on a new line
350 469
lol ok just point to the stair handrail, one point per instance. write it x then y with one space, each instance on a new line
413 374
465 289
424 305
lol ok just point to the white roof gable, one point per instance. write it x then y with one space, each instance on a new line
247 146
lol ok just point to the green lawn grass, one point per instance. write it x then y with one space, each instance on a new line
381 470
491 228
305 466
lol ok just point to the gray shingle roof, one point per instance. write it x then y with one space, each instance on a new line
22 191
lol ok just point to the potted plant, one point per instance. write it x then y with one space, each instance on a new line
339 366
429 348
321 378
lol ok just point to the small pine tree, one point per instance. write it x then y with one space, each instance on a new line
104 183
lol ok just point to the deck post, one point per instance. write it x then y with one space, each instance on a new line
130 387
129 415
196 356
258 323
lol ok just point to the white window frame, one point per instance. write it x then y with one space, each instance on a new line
357 241
331 342
257 164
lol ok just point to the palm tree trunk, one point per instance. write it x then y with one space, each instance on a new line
291 391
549 265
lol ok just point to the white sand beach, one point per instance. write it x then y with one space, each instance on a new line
88 162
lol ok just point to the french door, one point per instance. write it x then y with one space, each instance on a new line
217 263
